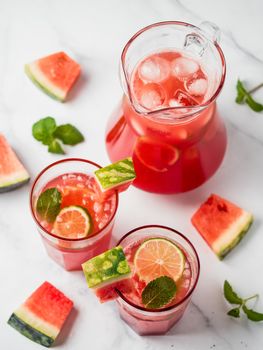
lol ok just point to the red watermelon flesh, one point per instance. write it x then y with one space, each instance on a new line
42 315
54 74
109 292
221 223
49 304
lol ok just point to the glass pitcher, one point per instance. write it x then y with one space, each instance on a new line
171 74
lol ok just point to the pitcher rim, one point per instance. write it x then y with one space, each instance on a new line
186 24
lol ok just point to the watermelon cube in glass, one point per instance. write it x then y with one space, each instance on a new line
106 272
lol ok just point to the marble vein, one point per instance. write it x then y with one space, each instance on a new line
208 323
227 34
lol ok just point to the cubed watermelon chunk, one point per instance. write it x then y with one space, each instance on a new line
117 176
54 74
12 172
41 317
106 272
222 224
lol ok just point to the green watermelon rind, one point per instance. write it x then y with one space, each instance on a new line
29 332
115 175
106 268
12 185
42 87
14 180
226 249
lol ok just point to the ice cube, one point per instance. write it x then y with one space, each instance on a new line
196 87
107 206
97 207
101 225
154 69
152 96
185 284
174 103
183 67
183 99
80 185
187 273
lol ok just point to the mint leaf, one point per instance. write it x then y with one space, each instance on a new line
48 204
241 92
257 107
68 134
244 96
234 312
55 147
252 315
43 130
158 292
230 295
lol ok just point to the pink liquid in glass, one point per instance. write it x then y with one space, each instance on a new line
169 157
77 189
132 310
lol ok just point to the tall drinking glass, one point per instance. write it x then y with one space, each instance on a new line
74 179
158 321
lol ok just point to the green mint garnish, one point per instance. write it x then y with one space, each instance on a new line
43 130
233 298
230 295
46 131
55 147
68 134
252 315
158 292
48 204
244 96
234 312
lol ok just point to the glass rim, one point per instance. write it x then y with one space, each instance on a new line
188 294
165 109
42 172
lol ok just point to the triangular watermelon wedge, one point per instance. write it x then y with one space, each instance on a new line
12 172
41 317
54 74
221 223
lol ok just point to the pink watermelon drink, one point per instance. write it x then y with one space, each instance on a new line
167 119
73 216
155 253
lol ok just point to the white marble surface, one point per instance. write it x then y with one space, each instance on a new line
94 32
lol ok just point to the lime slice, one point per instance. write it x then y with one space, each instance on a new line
158 257
73 222
155 155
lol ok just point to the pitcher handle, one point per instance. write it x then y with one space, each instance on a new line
212 30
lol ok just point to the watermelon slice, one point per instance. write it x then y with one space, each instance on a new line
154 155
117 176
106 272
222 224
41 317
12 172
54 74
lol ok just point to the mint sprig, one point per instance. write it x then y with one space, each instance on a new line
43 130
244 96
158 292
68 134
46 131
232 297
49 204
